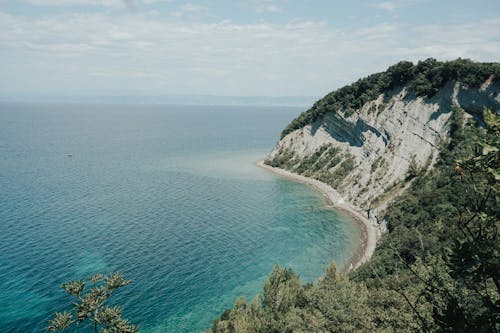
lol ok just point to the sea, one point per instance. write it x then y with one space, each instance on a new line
168 195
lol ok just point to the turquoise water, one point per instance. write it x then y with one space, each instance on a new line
168 195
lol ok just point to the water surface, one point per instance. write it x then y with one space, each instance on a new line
168 195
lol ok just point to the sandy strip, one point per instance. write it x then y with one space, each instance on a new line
368 238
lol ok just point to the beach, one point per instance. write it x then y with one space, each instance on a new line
367 228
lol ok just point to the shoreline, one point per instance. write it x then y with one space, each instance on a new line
368 230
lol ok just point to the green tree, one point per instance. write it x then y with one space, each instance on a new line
342 303
282 290
90 310
412 169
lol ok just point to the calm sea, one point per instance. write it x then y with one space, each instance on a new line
168 195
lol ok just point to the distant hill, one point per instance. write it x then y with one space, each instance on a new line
282 101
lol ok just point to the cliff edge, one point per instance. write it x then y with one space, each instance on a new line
370 150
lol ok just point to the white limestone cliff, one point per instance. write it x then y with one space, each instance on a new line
385 137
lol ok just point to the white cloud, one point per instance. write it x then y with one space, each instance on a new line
150 2
104 3
386 5
189 9
269 6
148 54
393 6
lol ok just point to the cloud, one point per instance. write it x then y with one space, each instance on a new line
393 6
189 9
266 6
104 3
151 2
386 5
136 54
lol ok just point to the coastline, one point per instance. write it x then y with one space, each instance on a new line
368 230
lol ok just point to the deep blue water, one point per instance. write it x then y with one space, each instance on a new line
168 195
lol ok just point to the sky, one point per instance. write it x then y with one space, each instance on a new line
229 47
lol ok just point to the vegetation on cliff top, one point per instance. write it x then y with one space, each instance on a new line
435 270
425 78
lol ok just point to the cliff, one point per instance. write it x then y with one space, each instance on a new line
370 153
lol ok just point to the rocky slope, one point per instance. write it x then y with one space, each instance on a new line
369 154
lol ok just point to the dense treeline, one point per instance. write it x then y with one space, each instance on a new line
435 270
425 78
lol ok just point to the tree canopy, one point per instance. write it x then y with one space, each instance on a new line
425 78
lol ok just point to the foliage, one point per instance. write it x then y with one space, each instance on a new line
435 270
289 306
327 164
378 162
282 160
412 169
90 310
425 78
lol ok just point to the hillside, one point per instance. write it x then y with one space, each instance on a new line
365 147
417 147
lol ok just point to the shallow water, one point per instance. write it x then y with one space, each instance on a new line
168 195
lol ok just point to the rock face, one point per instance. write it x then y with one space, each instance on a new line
367 155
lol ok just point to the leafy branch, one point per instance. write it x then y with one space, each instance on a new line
91 295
